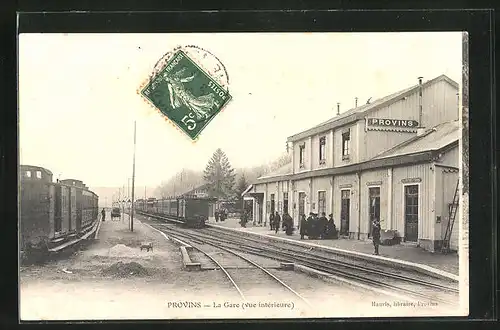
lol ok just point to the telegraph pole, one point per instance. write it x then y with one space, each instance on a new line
128 195
123 201
133 182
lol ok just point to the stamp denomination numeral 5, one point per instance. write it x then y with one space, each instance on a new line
189 122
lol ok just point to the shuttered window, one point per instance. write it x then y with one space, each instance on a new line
321 202
322 150
302 149
346 144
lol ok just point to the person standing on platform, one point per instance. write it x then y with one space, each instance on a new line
376 234
271 220
303 226
288 223
277 220
243 219
103 215
331 229
322 225
217 216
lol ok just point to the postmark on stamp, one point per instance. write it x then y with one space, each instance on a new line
189 86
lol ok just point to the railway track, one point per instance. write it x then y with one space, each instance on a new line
408 285
233 274
410 277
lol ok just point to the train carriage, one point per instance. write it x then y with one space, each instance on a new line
53 214
193 211
152 206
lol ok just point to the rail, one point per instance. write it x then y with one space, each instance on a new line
176 234
373 277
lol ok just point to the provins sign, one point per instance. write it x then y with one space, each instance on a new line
392 122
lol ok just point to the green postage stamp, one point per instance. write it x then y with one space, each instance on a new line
190 87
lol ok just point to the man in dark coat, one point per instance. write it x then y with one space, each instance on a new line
271 220
322 225
303 226
376 234
277 220
331 229
103 215
310 225
217 216
244 219
288 223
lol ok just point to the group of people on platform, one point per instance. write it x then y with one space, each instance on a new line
314 227
318 227
220 215
286 223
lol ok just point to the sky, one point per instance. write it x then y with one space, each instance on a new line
78 95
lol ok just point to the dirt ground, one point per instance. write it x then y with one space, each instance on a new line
111 278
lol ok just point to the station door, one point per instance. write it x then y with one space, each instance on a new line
345 212
374 196
411 213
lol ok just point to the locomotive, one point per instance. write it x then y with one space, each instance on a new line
191 210
53 215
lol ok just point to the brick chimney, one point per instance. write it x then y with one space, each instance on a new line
420 128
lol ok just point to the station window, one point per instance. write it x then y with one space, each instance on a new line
285 202
272 204
38 174
321 202
27 174
322 150
346 143
302 149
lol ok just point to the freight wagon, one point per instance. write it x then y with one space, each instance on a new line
53 215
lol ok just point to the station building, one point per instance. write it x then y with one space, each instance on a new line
395 159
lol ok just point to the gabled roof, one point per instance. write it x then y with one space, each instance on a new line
284 170
435 138
203 186
361 111
247 190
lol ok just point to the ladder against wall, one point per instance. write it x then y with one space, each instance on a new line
445 248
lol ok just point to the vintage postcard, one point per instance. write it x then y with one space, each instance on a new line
243 175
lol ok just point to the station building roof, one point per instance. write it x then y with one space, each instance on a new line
285 169
435 138
360 112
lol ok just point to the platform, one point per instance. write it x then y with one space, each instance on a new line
445 264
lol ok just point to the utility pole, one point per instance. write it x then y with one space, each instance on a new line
123 201
128 194
128 187
133 182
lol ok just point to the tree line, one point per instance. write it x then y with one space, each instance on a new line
219 177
